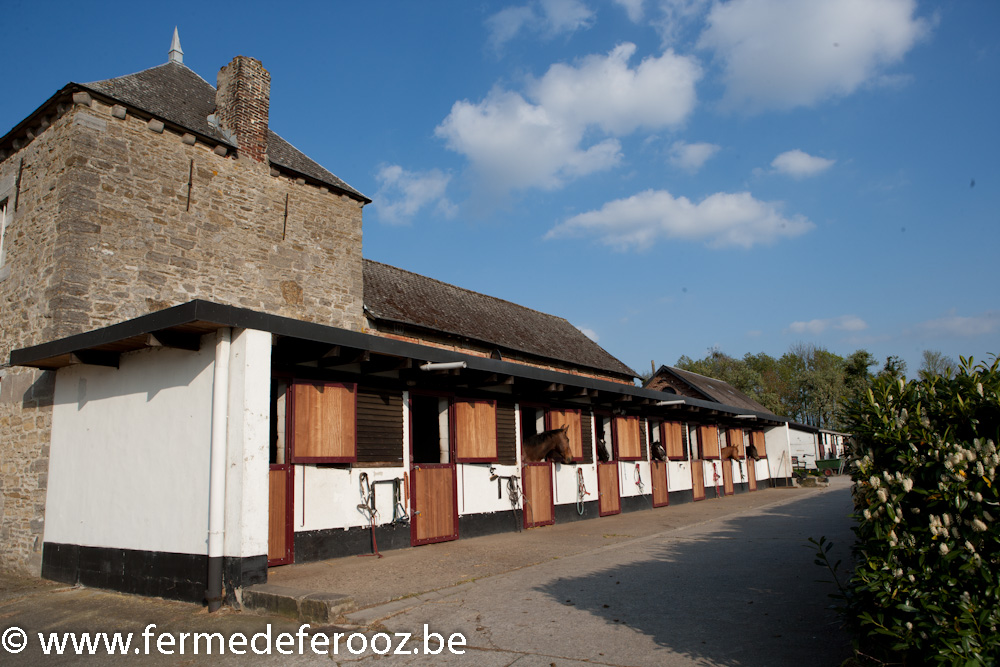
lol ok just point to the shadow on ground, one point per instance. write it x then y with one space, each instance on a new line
743 591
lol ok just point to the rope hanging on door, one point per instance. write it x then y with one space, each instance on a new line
368 507
581 491
638 483
715 478
513 492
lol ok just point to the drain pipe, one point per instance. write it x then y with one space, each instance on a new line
217 468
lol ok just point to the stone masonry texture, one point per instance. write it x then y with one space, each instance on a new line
115 220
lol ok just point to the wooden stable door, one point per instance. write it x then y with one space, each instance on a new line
698 479
658 469
751 473
280 542
727 477
434 503
539 503
609 497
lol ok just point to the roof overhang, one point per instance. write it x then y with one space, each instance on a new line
182 327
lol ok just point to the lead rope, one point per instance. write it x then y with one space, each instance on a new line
638 483
513 492
581 491
368 507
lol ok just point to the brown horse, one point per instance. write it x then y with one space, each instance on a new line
552 445
732 452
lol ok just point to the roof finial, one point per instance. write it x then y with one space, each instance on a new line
176 55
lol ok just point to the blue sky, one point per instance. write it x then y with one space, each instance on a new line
668 175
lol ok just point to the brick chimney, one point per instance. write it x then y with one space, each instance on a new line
242 99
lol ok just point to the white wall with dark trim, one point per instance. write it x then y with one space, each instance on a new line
128 464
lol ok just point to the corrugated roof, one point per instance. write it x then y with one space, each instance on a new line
399 296
174 93
717 390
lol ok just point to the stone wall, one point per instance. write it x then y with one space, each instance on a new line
118 217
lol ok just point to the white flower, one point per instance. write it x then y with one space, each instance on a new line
883 495
907 485
944 548
978 526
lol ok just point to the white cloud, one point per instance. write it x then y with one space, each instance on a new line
536 139
633 9
505 24
604 91
787 53
402 194
691 157
676 17
961 326
546 17
798 164
514 144
842 323
566 15
722 219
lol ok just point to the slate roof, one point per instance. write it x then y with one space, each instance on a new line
714 390
174 93
397 296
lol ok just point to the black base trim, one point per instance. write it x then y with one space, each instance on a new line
478 525
174 576
568 513
334 543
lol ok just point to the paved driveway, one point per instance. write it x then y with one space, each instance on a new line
721 582
738 591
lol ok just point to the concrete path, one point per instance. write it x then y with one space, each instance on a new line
739 590
721 582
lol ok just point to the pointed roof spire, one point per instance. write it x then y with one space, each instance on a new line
176 54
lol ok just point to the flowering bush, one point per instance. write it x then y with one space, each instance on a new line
926 584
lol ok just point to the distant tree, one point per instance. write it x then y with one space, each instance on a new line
807 384
857 377
764 369
894 368
936 364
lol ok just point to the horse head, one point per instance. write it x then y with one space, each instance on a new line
602 451
659 454
561 451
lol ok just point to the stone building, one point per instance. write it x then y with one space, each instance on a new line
126 196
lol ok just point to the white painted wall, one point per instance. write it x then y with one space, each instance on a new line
778 457
802 444
128 465
679 476
248 444
762 468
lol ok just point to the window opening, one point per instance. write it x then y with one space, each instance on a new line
532 421
605 441
430 429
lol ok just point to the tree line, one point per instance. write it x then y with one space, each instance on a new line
809 384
